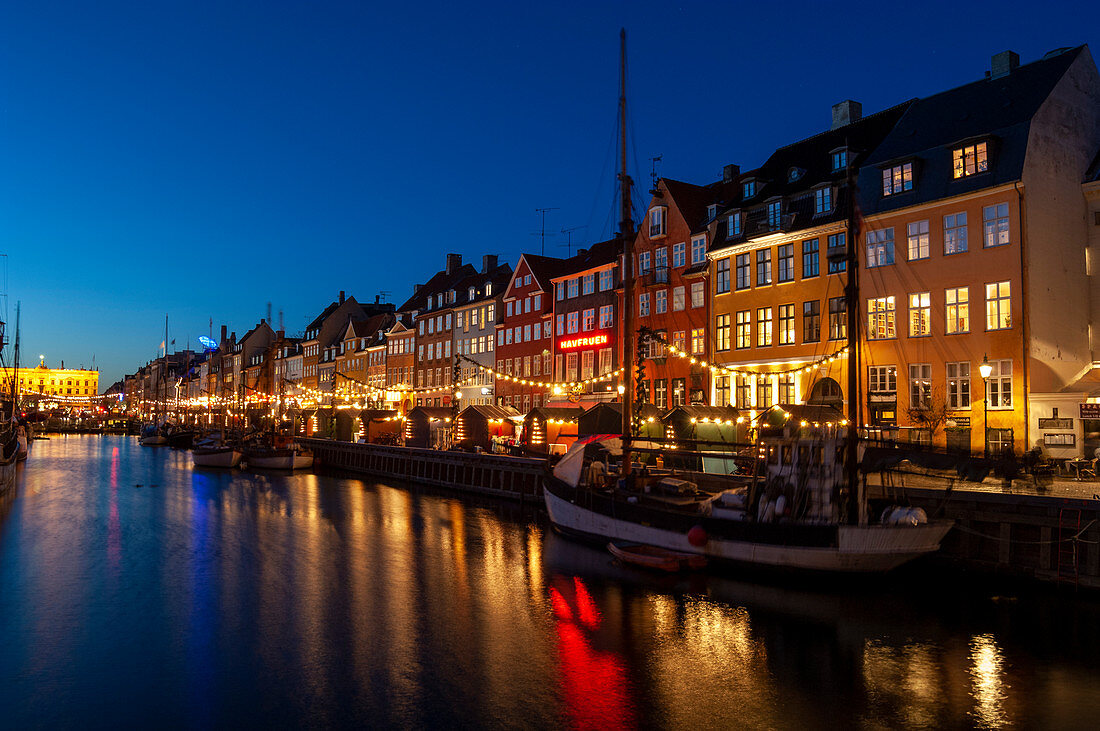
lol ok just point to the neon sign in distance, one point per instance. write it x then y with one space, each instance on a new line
586 341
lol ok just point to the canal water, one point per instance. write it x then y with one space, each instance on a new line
138 591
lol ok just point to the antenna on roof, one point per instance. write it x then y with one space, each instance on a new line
653 171
384 294
542 234
569 238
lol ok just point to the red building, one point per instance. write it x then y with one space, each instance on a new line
525 338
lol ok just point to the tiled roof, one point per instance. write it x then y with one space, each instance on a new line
440 282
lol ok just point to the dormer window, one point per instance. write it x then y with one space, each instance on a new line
735 223
969 160
897 179
839 159
451 296
657 221
775 214
439 300
712 211
795 173
488 289
472 293
748 189
823 200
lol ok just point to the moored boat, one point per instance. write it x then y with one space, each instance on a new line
292 457
652 557
216 456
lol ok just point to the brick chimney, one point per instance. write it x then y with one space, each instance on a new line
454 261
1003 64
341 296
225 329
730 173
846 112
488 263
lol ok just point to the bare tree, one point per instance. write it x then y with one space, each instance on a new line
931 415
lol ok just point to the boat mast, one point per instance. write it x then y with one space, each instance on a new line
15 365
626 233
851 292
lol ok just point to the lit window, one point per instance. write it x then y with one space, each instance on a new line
998 306
643 304
897 179
697 341
763 326
678 301
998 387
957 310
744 329
881 318
969 160
920 314
722 332
958 385
920 385
786 324
838 318
882 379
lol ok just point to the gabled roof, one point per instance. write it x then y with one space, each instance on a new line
440 282
320 319
490 411
1000 109
597 255
542 268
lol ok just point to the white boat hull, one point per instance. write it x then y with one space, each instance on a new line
216 458
153 441
859 549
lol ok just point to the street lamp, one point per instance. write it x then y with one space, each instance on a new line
985 369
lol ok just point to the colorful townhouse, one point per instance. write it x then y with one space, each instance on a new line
525 334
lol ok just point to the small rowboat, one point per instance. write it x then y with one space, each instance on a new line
216 456
652 557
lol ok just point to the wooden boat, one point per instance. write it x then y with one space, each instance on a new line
652 557
285 458
216 456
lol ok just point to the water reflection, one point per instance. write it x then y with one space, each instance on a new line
210 598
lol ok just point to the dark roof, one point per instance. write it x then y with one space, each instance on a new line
601 254
320 319
500 276
565 413
440 282
489 411
432 412
369 328
999 109
544 268
703 412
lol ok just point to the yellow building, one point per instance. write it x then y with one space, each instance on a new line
43 381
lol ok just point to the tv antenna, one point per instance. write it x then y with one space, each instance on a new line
569 238
542 234
653 170
384 294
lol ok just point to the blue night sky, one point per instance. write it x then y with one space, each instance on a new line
202 159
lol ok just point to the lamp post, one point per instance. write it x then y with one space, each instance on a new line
985 369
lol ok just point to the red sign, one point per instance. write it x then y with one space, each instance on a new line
585 341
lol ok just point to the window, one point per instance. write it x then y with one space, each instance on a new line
998 306
734 224
571 286
561 324
538 302
643 304
880 318
744 276
954 233
918 240
606 281
657 221
748 189
588 320
775 215
744 329
811 321
786 324
660 264
897 179
995 225
678 340
660 393
957 310
560 287
679 254
837 253
722 282
589 284
721 390
527 280
698 294
661 301
882 379
588 362
880 247
920 314
999 440
786 389
958 385
969 160
643 263
823 200
698 344
607 317
998 387
698 250
763 392
605 360
763 326
743 393
785 258
839 160
920 385
763 267
679 391
809 258
722 332
838 318
678 301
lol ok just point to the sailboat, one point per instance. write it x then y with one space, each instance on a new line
10 444
829 530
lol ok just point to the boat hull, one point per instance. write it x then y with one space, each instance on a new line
291 461
216 457
155 440
780 546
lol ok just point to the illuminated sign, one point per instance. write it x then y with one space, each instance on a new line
588 341
208 343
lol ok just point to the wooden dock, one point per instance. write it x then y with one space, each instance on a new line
515 478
